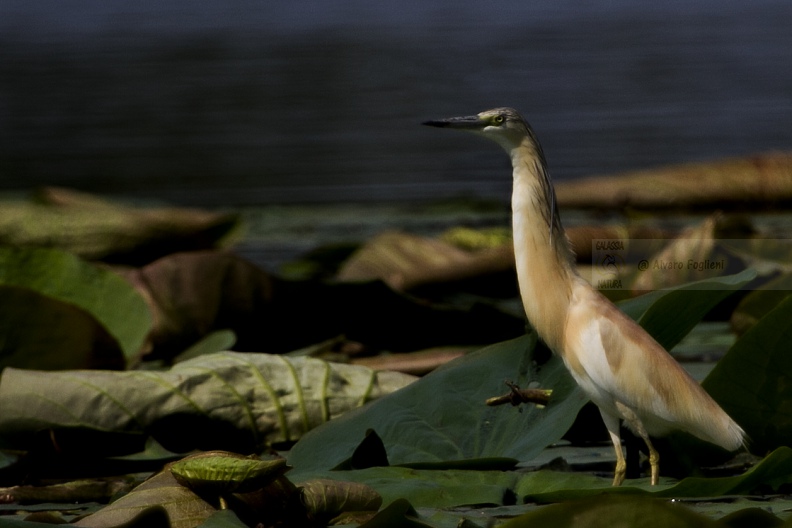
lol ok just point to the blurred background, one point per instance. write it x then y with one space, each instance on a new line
282 102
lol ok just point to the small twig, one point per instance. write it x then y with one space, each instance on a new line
517 396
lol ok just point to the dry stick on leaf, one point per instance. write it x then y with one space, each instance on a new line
516 396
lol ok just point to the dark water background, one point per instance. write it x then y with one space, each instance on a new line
251 102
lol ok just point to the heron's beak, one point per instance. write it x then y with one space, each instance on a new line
473 122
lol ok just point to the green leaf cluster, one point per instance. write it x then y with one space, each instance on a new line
58 311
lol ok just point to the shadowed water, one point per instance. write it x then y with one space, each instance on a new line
251 103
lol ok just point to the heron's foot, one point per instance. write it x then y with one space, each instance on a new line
621 470
654 463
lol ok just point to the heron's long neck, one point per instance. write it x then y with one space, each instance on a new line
545 268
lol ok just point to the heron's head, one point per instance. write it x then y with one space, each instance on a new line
502 125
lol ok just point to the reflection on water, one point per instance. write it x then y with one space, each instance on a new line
303 101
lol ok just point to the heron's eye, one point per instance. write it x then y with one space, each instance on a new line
498 119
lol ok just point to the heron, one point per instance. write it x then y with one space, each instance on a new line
616 363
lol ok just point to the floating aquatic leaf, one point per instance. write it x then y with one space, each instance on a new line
228 400
325 499
404 261
222 472
97 229
67 279
760 301
758 179
194 294
753 381
185 509
443 417
610 511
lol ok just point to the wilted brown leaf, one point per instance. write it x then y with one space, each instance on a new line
324 498
227 400
193 294
415 363
693 255
96 229
185 509
404 261
759 179
74 491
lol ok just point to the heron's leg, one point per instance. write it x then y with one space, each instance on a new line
654 461
612 424
637 427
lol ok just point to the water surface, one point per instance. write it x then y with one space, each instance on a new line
249 103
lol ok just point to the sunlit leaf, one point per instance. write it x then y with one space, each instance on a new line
763 178
222 472
40 332
97 229
66 278
232 401
404 261
442 417
218 341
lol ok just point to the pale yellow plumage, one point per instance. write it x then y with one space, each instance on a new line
624 371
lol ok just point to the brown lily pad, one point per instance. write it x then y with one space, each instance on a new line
754 180
98 229
194 294
404 261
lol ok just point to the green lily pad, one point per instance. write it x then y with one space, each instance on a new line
221 472
66 278
753 382
772 473
669 315
442 417
40 332
608 511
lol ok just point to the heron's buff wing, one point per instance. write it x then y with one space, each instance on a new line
627 365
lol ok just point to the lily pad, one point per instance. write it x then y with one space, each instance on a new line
233 401
39 332
68 279
194 294
221 472
771 474
759 179
759 302
185 509
442 417
753 382
98 229
609 511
